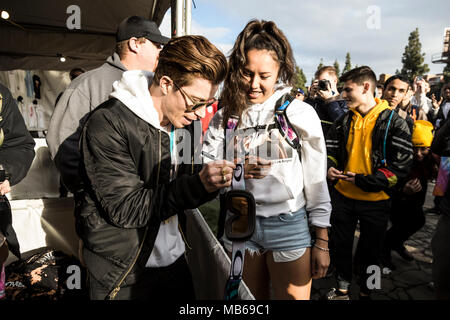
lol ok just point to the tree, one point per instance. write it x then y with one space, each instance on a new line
338 69
348 63
446 73
413 59
299 78
320 64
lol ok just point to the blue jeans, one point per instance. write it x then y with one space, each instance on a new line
284 232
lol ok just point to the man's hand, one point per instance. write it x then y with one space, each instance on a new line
412 186
216 175
436 104
5 187
334 174
312 93
327 94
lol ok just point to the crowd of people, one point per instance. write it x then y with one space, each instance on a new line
350 151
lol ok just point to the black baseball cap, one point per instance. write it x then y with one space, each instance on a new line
139 27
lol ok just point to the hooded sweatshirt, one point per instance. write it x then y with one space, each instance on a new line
290 184
359 149
85 93
133 91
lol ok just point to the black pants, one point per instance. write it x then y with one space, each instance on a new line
171 283
407 218
373 218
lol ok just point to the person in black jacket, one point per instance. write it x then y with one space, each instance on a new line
324 97
16 156
141 171
406 213
369 149
440 243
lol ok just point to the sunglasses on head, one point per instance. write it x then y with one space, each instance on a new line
196 104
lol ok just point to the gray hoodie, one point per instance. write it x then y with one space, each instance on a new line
83 95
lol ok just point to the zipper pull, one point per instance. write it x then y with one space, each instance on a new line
113 293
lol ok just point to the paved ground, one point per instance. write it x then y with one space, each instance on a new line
411 280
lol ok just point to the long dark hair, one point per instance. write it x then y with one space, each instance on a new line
259 35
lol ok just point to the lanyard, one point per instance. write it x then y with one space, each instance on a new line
238 247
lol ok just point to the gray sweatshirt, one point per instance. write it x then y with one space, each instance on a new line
83 95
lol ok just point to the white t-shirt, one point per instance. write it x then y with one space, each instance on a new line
169 244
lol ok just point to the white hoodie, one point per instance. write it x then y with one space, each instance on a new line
290 184
132 91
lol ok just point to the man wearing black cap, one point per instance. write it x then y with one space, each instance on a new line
138 42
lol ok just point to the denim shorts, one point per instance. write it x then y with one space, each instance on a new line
285 232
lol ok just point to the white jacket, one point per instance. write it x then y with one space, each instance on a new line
290 184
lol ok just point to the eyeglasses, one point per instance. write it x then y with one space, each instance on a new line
157 45
196 104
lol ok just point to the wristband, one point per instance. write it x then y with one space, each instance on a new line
320 248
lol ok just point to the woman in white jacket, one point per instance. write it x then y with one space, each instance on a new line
285 187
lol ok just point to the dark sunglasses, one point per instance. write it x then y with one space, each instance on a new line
157 45
196 104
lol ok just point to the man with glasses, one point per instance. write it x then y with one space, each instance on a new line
138 42
139 178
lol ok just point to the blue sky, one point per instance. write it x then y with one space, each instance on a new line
374 32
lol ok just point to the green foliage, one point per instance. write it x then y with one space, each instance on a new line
337 67
348 63
446 73
320 64
413 58
210 212
299 79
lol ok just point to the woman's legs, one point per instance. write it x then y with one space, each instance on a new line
291 280
256 275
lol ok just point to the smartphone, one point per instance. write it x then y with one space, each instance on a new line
346 174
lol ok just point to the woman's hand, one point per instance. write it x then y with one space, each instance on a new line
256 167
320 261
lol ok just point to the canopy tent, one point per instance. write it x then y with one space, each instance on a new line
38 33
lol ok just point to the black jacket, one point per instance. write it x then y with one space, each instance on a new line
127 192
17 149
328 112
398 151
16 156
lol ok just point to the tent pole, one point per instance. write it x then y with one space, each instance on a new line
188 17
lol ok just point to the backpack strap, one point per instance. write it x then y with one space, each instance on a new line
285 127
232 124
384 161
